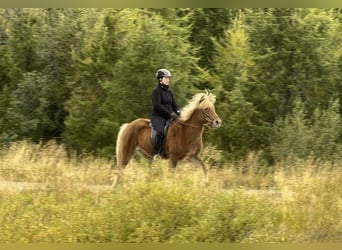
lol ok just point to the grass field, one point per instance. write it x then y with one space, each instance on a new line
46 196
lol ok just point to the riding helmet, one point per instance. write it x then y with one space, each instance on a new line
162 72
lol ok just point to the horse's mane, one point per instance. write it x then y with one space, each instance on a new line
198 101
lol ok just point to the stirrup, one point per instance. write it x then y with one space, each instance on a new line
157 157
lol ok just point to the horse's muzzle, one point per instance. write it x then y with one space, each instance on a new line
216 123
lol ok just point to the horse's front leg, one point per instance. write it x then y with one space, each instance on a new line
197 160
115 175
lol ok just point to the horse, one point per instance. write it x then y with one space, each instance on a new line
183 139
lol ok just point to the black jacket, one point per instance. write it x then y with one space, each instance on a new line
163 102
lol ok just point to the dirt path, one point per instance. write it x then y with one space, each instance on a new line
12 186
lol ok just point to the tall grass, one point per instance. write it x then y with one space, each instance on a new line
70 200
49 164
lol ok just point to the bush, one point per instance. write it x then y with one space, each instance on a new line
232 217
298 136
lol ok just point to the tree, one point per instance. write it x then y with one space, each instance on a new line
298 55
208 24
92 61
17 55
285 54
30 115
22 39
42 71
5 76
61 32
233 77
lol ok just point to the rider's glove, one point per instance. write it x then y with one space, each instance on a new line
174 116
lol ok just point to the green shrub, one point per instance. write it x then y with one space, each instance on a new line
158 212
298 136
233 217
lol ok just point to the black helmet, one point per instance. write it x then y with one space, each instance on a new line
162 72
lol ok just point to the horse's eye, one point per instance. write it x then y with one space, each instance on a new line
207 109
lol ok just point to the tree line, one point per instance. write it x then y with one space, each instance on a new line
75 75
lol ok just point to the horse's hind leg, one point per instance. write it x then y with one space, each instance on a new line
172 164
122 162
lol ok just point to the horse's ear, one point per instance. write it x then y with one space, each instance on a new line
202 98
212 98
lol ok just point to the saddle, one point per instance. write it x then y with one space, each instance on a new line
154 132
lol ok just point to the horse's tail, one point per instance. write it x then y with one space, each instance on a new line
120 145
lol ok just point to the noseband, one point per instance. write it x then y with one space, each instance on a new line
207 118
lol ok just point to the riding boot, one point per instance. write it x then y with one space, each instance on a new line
158 143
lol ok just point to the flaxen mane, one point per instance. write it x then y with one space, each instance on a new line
198 101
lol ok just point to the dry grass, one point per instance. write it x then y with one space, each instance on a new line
49 164
300 202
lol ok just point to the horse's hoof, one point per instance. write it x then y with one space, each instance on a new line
205 183
114 180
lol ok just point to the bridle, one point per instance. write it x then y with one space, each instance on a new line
206 117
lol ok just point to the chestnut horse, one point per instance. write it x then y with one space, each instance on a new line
184 137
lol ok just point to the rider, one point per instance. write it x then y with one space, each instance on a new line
164 108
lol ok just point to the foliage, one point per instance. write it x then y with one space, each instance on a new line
215 21
31 113
269 58
301 137
234 78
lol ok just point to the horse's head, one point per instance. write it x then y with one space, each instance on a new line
202 106
207 109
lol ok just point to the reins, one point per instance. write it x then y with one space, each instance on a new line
188 125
